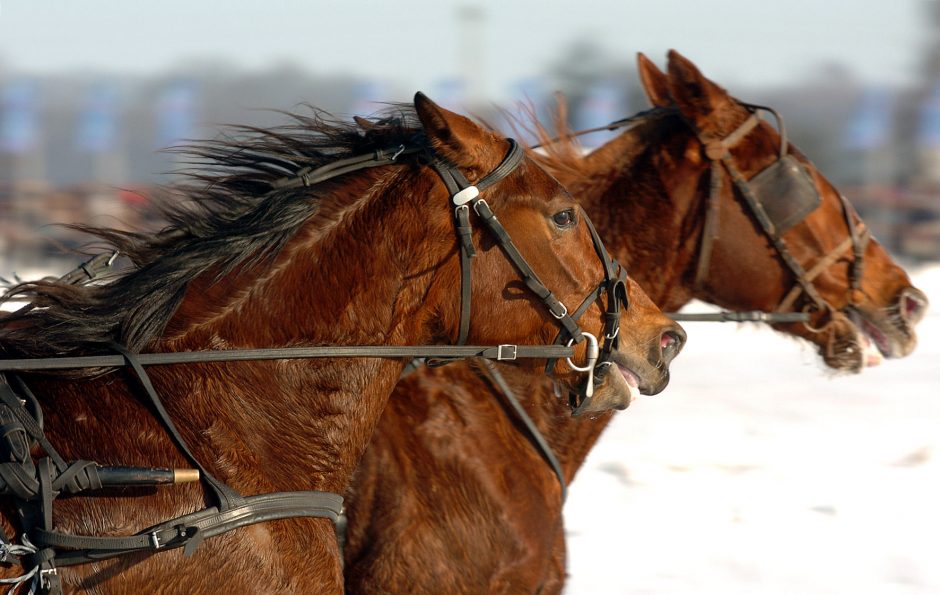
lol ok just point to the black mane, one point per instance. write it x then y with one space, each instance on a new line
225 213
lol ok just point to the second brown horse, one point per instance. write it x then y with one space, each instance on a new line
449 499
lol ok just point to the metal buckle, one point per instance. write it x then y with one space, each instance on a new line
507 357
155 541
564 312
613 336
44 576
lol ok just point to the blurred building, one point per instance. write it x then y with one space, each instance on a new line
86 149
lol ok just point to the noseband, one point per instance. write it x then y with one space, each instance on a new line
777 213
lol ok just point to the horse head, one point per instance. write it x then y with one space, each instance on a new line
550 230
774 233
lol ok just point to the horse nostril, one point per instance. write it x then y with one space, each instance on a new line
912 305
670 343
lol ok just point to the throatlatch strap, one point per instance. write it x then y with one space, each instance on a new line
225 496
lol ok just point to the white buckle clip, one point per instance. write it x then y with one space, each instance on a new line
511 355
155 541
466 195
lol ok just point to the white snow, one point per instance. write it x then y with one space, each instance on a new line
757 471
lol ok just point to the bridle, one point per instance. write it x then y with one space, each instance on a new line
34 484
776 216
465 196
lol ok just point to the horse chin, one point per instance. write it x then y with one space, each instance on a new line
612 390
619 384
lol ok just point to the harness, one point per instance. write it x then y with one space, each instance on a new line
779 197
34 484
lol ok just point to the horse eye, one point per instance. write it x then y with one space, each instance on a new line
564 218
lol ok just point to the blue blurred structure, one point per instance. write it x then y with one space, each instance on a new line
97 130
872 123
176 113
19 117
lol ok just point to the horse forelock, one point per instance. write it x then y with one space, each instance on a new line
224 214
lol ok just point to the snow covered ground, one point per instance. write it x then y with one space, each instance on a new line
758 472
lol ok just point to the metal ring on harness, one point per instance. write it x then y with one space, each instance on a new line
593 352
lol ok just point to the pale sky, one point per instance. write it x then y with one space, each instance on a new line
416 42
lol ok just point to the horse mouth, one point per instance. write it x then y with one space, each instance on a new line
630 379
638 379
881 335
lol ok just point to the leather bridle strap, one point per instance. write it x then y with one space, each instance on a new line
716 150
309 176
857 241
190 530
757 210
615 285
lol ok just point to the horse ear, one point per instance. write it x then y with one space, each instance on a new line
655 82
454 137
697 97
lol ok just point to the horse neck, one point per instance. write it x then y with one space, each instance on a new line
344 285
645 205
643 196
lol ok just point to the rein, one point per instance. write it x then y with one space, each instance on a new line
46 549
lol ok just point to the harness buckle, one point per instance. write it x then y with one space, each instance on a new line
613 336
509 355
47 576
466 195
564 311
155 540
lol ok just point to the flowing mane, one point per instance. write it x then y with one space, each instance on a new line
560 151
225 214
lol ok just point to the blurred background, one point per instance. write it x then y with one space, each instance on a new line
90 91
722 485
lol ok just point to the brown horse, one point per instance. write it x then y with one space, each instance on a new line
368 258
447 499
